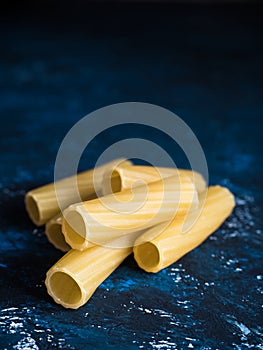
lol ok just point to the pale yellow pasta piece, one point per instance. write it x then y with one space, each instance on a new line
105 219
75 277
54 233
161 246
53 227
127 176
42 204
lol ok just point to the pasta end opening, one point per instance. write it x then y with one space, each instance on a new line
56 237
116 183
64 288
147 255
33 209
74 229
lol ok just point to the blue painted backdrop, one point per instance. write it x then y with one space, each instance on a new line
57 64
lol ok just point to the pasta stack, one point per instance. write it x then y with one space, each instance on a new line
159 214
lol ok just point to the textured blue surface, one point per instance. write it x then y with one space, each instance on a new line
203 63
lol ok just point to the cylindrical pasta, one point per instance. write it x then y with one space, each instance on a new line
105 219
42 203
75 277
159 247
125 177
53 227
54 233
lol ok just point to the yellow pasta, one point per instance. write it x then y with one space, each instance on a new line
53 228
113 216
42 203
124 177
155 250
75 277
54 233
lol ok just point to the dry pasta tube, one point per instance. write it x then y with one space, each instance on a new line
124 177
159 251
107 218
42 204
54 233
75 277
53 229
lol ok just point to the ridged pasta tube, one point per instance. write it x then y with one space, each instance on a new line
105 219
125 177
42 204
154 251
75 277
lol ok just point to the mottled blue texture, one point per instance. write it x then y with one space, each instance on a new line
205 64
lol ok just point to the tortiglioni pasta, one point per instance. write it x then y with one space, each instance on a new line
42 204
154 251
76 276
124 177
105 219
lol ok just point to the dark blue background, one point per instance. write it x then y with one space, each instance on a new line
60 62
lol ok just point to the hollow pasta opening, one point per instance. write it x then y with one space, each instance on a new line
148 255
56 237
75 229
116 182
65 288
33 209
